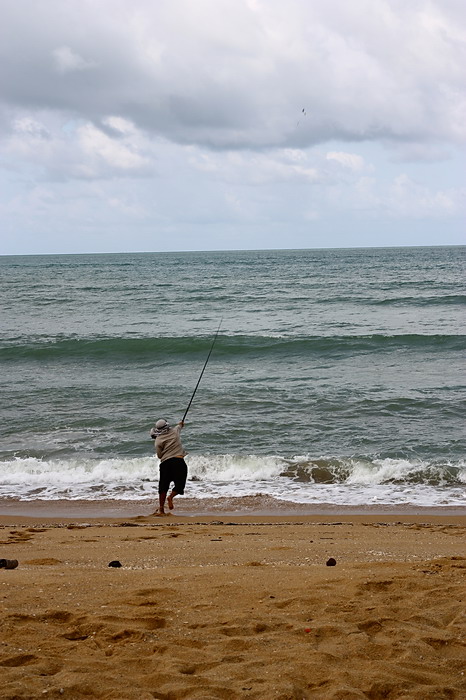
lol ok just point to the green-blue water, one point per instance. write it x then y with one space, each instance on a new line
337 376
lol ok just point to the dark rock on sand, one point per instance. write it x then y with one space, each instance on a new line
8 563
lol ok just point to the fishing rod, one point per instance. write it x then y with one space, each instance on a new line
205 365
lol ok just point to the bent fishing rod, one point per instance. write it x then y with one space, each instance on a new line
203 369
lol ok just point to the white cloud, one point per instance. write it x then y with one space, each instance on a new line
126 207
401 198
278 165
67 61
407 198
29 127
98 148
183 115
121 126
236 74
79 150
347 160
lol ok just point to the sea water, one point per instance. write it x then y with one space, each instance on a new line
337 376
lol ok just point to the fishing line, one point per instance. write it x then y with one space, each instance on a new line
205 365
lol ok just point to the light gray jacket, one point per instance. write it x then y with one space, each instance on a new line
169 444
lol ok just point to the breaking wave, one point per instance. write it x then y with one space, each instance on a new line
299 479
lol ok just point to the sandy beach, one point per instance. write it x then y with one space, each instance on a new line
234 607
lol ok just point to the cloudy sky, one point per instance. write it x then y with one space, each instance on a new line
148 125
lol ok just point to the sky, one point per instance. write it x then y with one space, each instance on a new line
169 125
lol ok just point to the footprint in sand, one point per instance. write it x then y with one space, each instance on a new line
21 660
48 561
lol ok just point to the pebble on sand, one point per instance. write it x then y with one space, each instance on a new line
8 563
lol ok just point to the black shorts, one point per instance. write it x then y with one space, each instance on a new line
174 469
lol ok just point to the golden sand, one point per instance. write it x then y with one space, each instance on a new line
244 608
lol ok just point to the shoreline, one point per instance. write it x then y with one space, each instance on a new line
82 514
187 509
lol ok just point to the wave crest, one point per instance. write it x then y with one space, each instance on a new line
171 349
135 478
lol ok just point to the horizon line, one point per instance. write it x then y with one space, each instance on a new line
234 250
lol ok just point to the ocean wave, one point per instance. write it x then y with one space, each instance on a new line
227 474
408 300
361 471
439 300
171 349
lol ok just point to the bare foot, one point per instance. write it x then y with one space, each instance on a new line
170 501
160 513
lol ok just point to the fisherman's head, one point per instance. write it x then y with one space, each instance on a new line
161 427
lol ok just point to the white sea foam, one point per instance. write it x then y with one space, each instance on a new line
360 482
75 478
235 467
381 471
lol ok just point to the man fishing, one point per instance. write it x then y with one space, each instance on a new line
170 451
172 467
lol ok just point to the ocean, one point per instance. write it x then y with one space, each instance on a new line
336 381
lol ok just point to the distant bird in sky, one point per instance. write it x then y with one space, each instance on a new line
304 114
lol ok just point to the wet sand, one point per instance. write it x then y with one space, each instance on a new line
234 607
251 506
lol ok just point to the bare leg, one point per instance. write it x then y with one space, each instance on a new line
170 498
161 510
